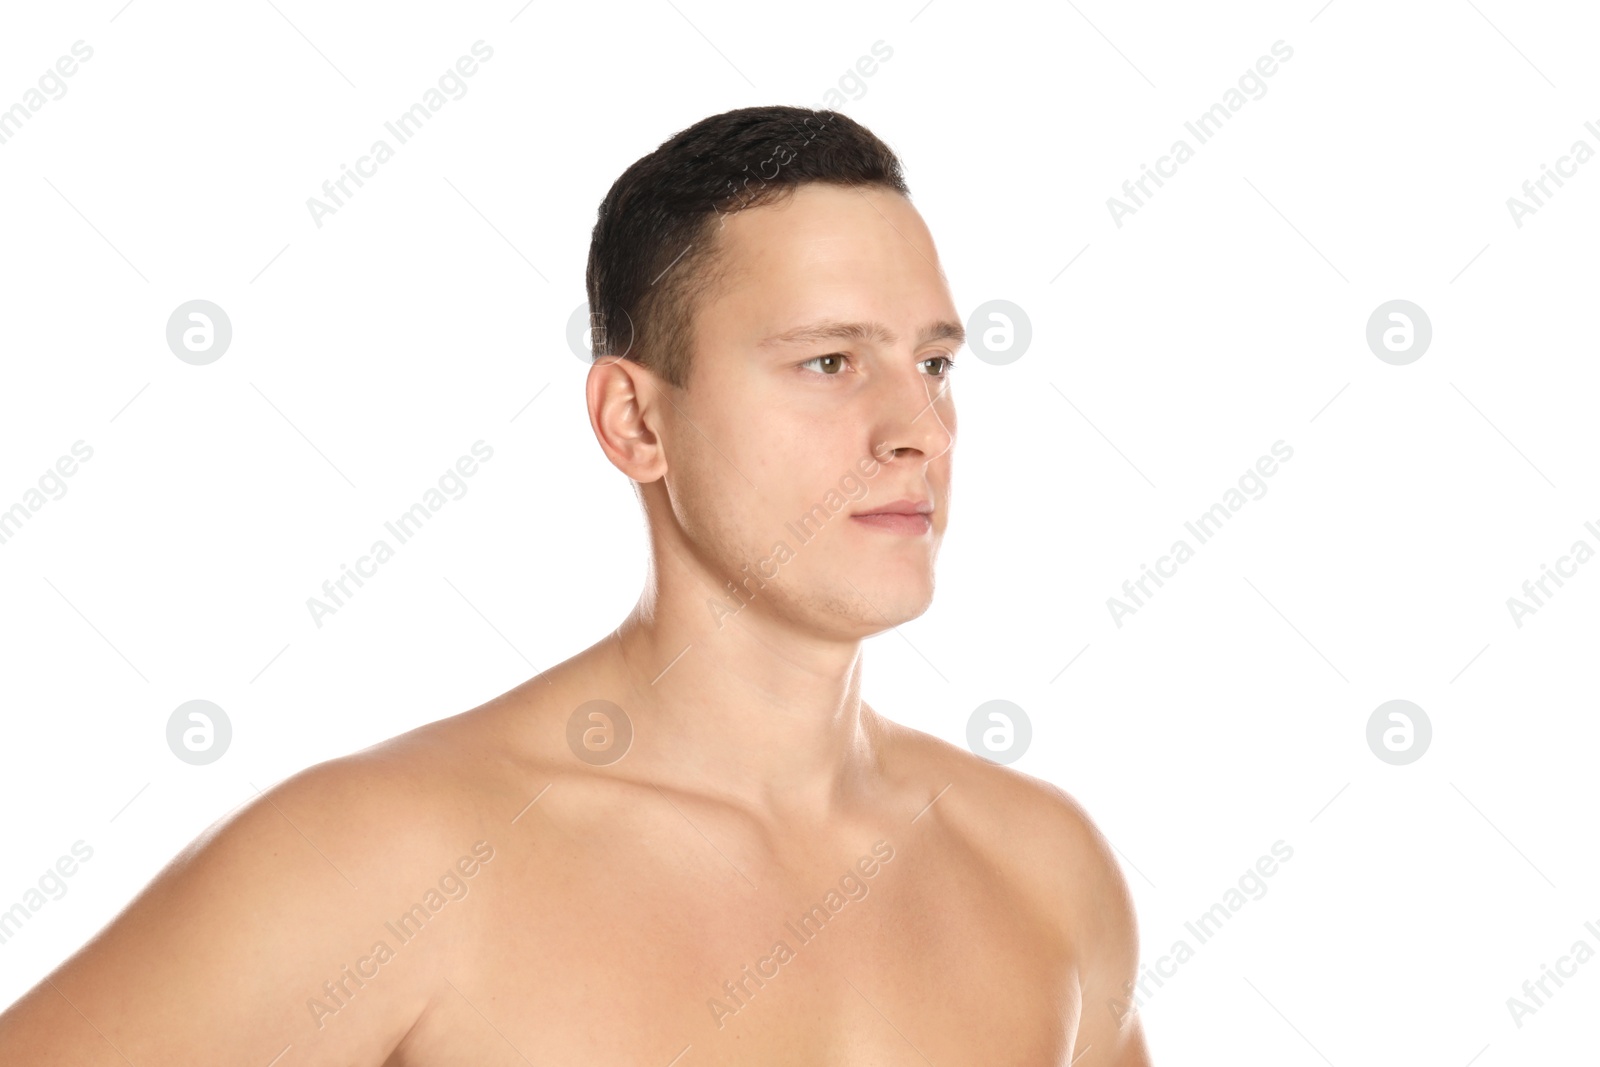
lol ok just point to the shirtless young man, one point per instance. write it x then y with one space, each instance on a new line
692 843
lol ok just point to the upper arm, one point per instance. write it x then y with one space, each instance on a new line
1105 934
222 957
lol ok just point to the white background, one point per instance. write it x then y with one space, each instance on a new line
1226 314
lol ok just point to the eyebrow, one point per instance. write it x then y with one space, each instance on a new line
873 332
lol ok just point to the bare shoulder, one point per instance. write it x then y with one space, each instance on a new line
256 936
1046 844
1032 826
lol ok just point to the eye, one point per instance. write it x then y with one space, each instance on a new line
837 359
949 365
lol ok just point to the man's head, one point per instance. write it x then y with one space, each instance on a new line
654 253
774 340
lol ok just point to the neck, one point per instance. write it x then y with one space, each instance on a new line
750 706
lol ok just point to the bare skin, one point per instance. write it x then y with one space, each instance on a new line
768 871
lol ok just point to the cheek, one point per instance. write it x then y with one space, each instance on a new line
730 488
788 452
761 461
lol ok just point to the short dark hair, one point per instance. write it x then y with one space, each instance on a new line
654 251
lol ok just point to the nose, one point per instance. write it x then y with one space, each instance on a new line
919 416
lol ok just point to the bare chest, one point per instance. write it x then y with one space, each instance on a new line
893 956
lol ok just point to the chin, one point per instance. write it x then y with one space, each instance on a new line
894 602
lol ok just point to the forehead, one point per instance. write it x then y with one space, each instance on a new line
834 251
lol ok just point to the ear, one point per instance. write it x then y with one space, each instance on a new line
623 400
